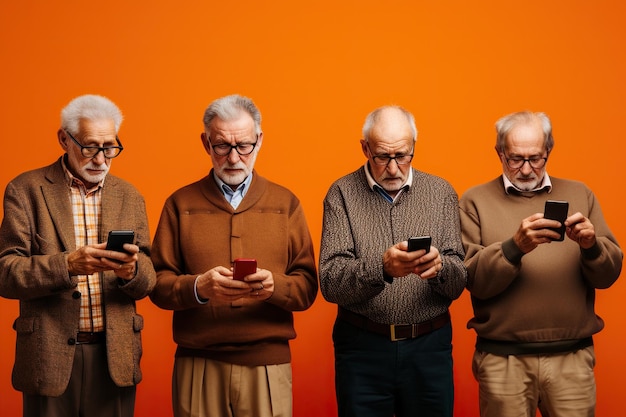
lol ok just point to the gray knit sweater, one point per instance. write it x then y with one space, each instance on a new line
359 225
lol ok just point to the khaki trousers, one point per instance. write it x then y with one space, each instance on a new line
559 385
207 388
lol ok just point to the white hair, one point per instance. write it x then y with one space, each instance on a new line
89 107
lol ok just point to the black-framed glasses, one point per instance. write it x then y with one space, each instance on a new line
384 160
535 162
109 152
223 149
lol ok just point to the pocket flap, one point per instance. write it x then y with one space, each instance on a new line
138 322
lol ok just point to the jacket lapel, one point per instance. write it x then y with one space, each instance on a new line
112 207
56 196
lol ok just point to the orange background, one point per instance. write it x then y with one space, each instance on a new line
315 69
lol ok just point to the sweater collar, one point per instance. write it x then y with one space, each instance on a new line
509 188
374 186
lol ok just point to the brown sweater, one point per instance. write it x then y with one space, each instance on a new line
546 295
199 230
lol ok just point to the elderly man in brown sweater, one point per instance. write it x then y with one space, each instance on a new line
233 356
533 295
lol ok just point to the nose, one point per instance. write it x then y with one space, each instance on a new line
392 168
233 156
99 157
526 169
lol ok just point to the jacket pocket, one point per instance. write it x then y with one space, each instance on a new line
24 325
137 322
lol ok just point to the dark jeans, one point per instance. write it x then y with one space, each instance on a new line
377 377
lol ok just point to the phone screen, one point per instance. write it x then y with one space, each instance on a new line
117 238
420 242
243 267
557 210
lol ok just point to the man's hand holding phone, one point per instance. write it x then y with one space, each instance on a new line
543 228
399 260
430 263
243 280
580 229
244 270
122 254
118 254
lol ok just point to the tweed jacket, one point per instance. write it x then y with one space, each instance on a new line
36 235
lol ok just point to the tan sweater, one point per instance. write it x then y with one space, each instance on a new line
199 230
548 294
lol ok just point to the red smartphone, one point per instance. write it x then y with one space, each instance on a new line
243 267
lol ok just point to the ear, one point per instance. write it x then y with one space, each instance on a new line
259 141
205 142
63 139
365 148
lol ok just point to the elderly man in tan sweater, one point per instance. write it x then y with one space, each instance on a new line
533 295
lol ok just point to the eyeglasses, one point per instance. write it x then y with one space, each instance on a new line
384 160
223 149
109 152
535 162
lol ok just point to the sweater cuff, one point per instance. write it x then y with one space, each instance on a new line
511 252
388 278
591 253
199 299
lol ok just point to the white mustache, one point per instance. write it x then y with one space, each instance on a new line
96 167
238 165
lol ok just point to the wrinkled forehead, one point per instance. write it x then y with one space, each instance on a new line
241 125
525 138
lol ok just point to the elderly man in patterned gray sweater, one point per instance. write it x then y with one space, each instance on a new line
392 336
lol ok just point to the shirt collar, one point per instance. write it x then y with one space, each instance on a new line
374 186
546 185
228 191
73 181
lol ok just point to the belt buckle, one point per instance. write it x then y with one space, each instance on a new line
392 328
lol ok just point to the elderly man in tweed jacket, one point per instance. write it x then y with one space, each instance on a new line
78 331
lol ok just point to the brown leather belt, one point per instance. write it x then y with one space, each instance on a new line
88 338
394 332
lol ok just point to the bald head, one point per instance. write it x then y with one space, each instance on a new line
388 120
388 143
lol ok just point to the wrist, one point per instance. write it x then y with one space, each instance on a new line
199 298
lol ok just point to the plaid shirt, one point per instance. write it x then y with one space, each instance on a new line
86 207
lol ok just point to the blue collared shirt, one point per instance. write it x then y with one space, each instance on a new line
234 197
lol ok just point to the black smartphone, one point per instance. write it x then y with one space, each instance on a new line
117 238
557 210
419 242
243 267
